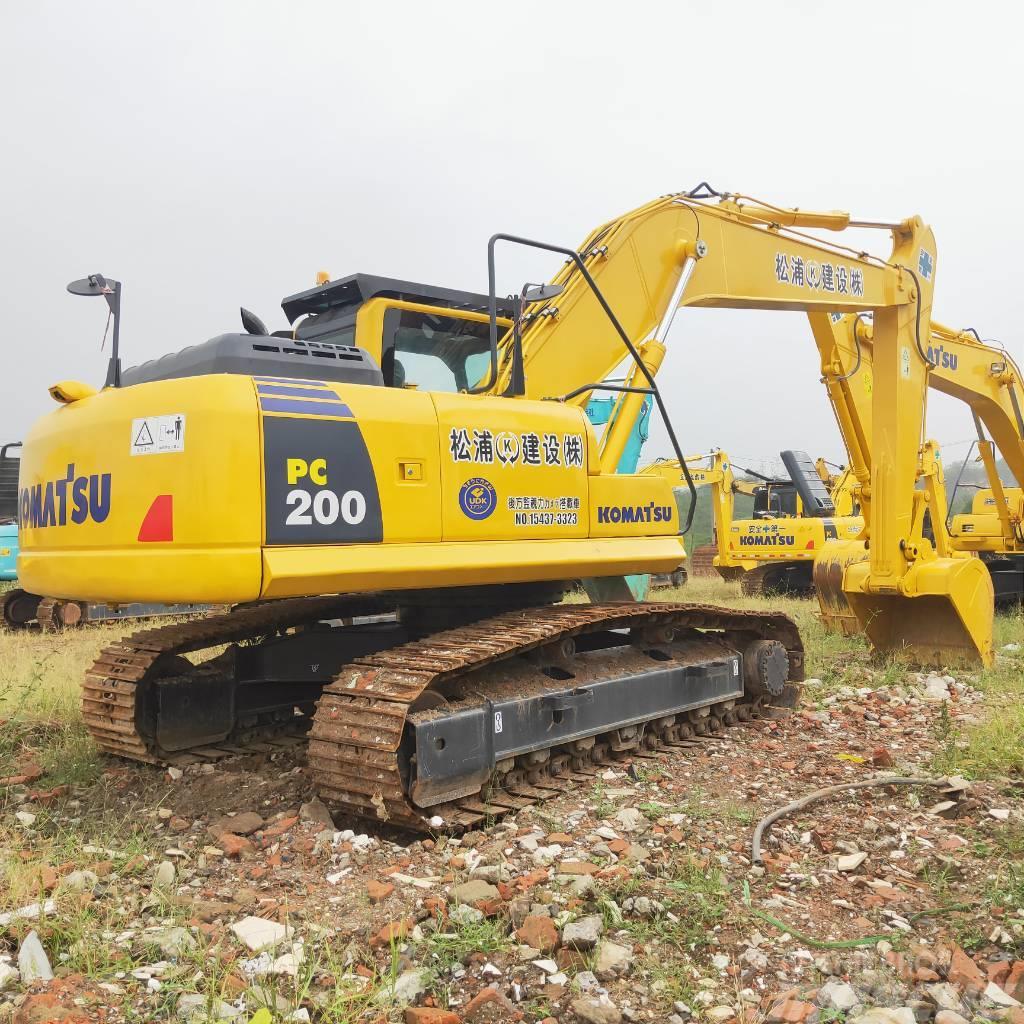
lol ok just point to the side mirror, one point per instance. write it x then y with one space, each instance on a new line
97 284
541 292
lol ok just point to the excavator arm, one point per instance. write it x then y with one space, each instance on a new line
713 470
724 251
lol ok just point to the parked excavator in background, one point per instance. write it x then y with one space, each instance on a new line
8 514
392 453
773 550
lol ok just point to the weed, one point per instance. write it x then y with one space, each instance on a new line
830 1016
445 950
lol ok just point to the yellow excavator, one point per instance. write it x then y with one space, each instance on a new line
774 550
713 470
986 378
424 454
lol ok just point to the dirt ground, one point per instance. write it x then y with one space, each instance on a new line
227 892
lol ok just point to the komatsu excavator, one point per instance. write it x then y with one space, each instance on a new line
425 452
986 378
774 550
712 470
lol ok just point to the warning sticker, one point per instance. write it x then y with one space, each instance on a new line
153 435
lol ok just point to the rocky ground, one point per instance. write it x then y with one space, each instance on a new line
227 892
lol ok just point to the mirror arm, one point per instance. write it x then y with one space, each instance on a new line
114 367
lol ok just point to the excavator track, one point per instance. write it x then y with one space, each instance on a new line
116 685
18 608
47 614
357 734
356 752
702 560
771 578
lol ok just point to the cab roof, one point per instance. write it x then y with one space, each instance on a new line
351 292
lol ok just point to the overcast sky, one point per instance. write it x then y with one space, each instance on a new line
216 154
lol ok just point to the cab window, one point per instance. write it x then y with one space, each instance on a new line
434 352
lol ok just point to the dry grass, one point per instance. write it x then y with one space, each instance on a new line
40 721
40 672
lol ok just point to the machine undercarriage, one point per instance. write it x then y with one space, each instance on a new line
439 729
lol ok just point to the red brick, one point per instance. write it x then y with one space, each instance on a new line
490 908
279 828
235 846
482 998
540 933
29 773
963 971
378 891
436 906
998 971
578 867
393 931
45 797
791 1011
570 960
528 881
1014 985
429 1015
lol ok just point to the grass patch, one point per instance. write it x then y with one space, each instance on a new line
40 719
993 746
454 941
691 893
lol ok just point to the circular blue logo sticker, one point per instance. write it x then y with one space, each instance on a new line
478 498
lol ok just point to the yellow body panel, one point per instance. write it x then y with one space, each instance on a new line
982 528
293 572
787 539
215 484
380 488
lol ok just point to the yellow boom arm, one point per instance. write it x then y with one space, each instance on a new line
688 251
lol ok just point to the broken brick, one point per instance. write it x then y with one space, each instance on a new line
378 891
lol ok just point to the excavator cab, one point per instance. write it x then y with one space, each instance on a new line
360 329
775 499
